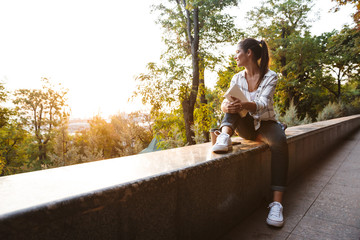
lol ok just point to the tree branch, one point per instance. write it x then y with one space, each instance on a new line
188 24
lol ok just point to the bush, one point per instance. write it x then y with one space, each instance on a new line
332 110
351 108
290 118
307 119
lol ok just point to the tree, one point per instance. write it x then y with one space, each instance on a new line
169 129
281 23
4 112
192 30
64 152
86 149
14 140
134 130
297 56
305 75
123 135
342 58
41 110
226 73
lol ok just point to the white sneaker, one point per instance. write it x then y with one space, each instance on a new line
223 143
275 217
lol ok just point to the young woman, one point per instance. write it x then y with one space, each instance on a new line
258 84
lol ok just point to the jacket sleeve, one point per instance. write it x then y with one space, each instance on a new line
266 94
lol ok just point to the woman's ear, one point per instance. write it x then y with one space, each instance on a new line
249 53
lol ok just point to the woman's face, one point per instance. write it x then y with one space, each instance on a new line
242 58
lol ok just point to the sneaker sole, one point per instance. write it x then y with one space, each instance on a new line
222 150
274 223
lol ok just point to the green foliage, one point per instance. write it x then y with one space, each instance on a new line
5 113
342 58
215 27
86 151
352 108
162 88
284 24
14 141
226 74
170 129
202 122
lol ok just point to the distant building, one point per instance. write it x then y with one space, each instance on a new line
77 125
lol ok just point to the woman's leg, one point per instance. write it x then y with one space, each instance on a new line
245 128
272 134
223 141
230 123
278 196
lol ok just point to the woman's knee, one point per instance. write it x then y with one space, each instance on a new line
246 134
229 121
274 135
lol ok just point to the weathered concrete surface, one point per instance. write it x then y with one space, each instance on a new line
322 203
184 193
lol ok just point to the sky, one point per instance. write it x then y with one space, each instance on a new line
96 48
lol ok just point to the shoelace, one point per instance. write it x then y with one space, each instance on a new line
275 209
222 139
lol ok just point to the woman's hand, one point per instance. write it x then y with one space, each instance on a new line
232 107
237 105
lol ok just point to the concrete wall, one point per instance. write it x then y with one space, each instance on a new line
184 193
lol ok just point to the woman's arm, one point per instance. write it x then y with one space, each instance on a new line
267 94
250 106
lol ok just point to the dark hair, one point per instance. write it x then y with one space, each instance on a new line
260 50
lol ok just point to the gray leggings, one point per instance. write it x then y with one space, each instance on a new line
270 133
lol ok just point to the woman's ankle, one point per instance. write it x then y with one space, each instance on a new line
227 130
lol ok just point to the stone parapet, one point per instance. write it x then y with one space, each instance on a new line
183 193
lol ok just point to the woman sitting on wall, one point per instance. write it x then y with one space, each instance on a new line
258 84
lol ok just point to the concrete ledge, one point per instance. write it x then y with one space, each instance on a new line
184 193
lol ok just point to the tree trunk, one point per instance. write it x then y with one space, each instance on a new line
42 154
339 86
189 121
189 102
203 101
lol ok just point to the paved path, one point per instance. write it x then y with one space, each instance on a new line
323 203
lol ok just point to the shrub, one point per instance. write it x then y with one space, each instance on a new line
307 119
351 108
332 110
290 118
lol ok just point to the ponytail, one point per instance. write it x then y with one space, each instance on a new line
264 61
260 50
